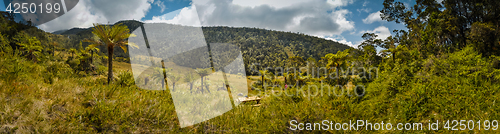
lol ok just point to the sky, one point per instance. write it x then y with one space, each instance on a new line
343 21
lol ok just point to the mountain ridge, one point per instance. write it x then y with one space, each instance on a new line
133 24
269 48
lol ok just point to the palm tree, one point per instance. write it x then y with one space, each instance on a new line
174 79
54 44
72 51
263 73
203 73
92 50
31 46
337 60
301 80
112 37
285 75
190 79
158 75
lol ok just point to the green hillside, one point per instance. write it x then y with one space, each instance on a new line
443 68
265 47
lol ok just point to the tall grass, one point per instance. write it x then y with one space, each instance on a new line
48 97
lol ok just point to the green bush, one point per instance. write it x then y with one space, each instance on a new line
102 70
58 69
125 78
13 67
73 63
456 85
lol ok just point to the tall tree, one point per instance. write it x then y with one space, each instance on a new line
263 74
203 73
190 79
158 74
54 45
174 79
92 50
434 28
368 52
72 51
390 46
112 37
338 60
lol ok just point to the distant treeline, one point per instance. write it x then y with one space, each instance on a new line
267 48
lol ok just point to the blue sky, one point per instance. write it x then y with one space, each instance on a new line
2 6
171 7
344 21
359 12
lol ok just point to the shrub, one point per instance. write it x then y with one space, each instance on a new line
73 63
125 78
58 69
14 67
101 70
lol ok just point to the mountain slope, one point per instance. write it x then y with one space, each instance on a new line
258 46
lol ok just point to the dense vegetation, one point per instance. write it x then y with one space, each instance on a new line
258 46
445 66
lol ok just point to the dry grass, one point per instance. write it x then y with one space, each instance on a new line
84 104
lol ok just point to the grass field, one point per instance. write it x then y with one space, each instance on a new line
48 97
216 79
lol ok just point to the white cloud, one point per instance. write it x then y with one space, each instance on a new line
365 3
187 16
366 10
161 5
272 3
87 12
338 3
116 10
340 39
343 41
373 17
309 17
382 32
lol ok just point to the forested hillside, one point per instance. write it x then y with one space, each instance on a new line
258 46
444 66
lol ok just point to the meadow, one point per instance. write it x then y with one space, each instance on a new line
443 68
71 103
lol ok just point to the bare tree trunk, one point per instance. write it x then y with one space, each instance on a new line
263 81
201 83
207 87
191 87
110 64
162 84
173 86
164 74
285 78
91 56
